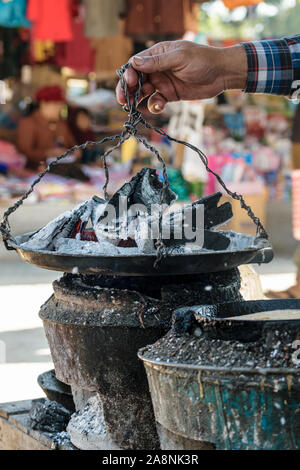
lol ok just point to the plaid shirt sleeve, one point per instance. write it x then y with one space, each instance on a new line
274 66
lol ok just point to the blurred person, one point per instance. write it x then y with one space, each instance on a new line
44 135
80 124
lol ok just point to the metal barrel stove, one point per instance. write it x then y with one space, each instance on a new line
227 377
95 326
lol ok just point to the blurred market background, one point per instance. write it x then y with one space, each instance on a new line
70 49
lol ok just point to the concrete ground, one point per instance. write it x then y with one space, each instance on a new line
23 288
24 352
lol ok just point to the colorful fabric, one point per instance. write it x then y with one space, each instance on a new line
51 19
274 66
12 13
154 19
102 18
232 4
76 54
50 93
42 51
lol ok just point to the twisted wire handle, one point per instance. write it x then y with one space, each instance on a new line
131 129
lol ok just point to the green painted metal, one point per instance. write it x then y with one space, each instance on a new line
237 409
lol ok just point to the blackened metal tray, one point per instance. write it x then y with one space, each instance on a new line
227 321
143 264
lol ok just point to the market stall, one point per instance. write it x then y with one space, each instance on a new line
246 138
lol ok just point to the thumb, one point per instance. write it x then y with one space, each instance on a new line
155 63
156 103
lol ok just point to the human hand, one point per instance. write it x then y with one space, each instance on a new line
183 70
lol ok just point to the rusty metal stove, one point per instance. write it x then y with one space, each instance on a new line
95 326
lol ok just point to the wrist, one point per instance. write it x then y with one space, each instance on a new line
234 67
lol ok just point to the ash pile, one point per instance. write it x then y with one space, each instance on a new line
130 223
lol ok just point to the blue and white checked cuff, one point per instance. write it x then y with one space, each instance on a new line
273 66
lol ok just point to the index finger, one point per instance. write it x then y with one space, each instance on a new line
132 80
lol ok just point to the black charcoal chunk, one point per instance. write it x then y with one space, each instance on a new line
214 215
144 188
61 227
49 416
213 241
143 191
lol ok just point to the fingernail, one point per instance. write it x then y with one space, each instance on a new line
157 107
138 60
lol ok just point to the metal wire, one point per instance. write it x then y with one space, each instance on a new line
5 227
260 228
131 129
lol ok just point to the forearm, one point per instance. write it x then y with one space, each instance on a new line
183 70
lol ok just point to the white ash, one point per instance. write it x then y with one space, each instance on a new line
208 288
146 246
144 229
238 241
87 428
45 238
90 418
97 210
137 228
80 247
130 251
74 246
61 438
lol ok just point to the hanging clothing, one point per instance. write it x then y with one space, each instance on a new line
13 52
42 51
51 19
156 19
13 13
111 52
191 16
76 54
232 4
102 17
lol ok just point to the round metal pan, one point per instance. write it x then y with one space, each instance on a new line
143 265
227 321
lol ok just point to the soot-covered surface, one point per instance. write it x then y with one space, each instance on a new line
157 296
273 351
103 321
49 416
56 390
